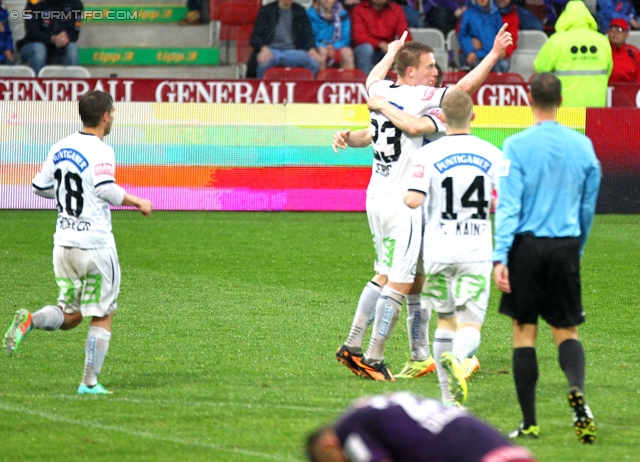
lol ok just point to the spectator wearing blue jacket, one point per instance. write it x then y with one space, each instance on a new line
478 28
614 9
6 39
331 28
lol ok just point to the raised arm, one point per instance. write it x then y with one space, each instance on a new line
380 70
412 126
472 81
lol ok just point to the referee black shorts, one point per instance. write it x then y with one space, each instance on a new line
544 274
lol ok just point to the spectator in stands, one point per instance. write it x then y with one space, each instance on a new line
282 37
478 29
411 12
6 39
331 27
626 58
509 16
374 24
51 33
443 14
579 55
194 16
612 9
528 20
554 10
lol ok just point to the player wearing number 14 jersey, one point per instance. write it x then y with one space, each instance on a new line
79 174
455 177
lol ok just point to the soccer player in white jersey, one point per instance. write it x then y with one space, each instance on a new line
454 177
396 230
79 174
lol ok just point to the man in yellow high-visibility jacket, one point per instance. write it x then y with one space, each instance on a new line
579 56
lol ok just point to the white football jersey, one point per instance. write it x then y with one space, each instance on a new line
393 149
74 167
458 174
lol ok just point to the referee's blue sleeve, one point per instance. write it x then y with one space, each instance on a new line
507 217
588 203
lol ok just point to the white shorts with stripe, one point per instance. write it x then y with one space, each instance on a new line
450 287
397 237
88 279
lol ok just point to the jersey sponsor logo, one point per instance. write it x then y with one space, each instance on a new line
104 169
455 160
428 93
73 156
418 171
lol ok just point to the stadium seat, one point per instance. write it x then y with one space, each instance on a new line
591 4
522 62
17 71
392 75
634 38
70 72
429 36
288 73
531 39
236 18
337 75
453 47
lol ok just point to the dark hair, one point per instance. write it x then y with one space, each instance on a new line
546 90
440 76
312 443
409 55
93 105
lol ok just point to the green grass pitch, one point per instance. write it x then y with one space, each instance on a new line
224 340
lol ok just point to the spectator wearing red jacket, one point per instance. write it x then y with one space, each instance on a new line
626 58
509 16
374 24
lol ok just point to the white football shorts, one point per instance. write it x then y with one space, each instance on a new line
450 287
89 279
397 237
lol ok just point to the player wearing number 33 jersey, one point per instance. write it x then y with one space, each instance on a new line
396 229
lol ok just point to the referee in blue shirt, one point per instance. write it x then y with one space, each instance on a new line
547 202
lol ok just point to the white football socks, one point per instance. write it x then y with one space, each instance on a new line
418 328
443 341
95 352
466 343
48 317
387 311
364 316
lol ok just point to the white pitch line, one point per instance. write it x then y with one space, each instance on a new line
180 403
141 434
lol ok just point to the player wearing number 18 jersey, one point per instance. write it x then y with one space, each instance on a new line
456 175
79 174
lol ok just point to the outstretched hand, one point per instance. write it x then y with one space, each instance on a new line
340 140
394 46
503 40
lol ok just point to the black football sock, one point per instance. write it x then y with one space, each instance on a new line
525 375
572 362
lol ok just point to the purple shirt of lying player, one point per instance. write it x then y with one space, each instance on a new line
404 427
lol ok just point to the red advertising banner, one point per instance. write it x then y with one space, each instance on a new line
254 91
